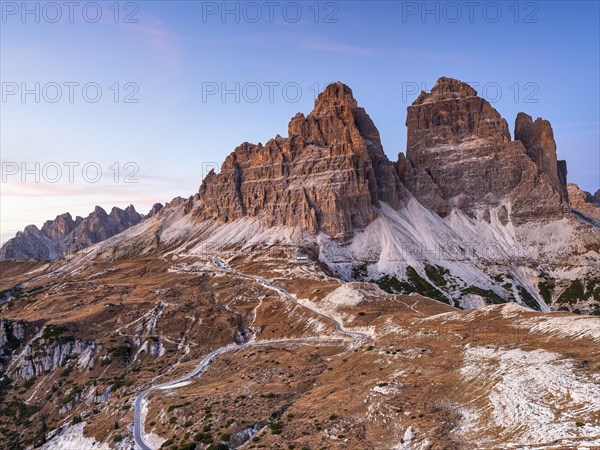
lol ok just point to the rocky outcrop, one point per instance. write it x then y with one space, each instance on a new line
584 201
460 155
12 334
30 243
95 397
64 235
330 174
61 227
156 208
43 355
538 139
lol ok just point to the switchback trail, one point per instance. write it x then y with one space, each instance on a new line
204 363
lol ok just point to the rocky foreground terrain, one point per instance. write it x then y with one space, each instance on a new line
314 294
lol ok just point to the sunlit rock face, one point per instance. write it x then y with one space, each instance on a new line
328 175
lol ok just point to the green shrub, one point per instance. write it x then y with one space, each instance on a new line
415 283
360 273
528 298
188 446
28 383
53 331
487 294
572 294
203 438
545 288
276 427
437 274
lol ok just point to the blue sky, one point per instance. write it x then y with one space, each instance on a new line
538 57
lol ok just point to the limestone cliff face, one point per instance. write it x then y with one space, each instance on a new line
328 175
460 155
538 139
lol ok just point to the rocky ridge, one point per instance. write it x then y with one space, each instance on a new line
64 234
330 174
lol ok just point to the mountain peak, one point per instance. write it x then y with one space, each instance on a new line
329 175
335 118
335 95
453 132
98 210
63 234
538 139
446 88
584 201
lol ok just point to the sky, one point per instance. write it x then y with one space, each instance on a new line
124 103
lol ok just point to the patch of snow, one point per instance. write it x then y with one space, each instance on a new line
385 390
512 310
176 385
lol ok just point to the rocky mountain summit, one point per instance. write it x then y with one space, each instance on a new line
460 155
463 184
64 234
329 175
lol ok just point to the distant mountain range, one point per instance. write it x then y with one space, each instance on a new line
64 235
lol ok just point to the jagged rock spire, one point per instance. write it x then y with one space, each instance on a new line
330 174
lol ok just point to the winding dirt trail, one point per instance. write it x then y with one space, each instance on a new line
355 336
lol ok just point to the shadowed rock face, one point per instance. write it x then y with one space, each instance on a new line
460 155
63 234
99 226
60 227
156 208
584 201
329 175
538 139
